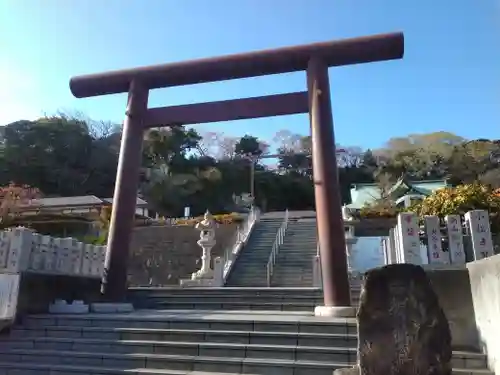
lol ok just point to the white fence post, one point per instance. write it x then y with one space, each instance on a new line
479 226
218 272
397 245
392 256
455 239
384 243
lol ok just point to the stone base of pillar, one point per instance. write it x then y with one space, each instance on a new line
335 311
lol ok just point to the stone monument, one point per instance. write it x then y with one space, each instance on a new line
402 330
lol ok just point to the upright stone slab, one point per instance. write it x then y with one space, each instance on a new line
4 248
478 222
76 257
87 259
434 245
402 329
455 239
51 248
19 250
408 238
35 263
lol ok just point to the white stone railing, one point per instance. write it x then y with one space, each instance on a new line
280 236
22 250
435 245
241 236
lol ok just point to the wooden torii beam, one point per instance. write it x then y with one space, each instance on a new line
314 59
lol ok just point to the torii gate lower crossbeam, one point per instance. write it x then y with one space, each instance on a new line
315 59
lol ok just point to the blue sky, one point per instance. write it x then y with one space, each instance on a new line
448 80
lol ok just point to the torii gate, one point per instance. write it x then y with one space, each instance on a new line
314 59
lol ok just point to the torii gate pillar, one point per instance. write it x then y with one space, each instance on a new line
336 287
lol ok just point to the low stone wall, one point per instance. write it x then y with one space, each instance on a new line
38 291
452 287
485 286
162 255
470 298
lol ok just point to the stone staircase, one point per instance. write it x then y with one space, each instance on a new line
300 299
195 341
228 298
294 267
250 266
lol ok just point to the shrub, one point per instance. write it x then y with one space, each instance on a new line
458 200
382 209
219 219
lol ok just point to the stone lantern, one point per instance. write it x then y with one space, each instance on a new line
206 242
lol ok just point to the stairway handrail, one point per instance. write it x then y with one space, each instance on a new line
280 235
239 240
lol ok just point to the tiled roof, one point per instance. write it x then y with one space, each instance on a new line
85 200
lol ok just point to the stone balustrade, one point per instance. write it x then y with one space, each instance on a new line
22 250
438 245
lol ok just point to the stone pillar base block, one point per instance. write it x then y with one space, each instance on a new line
335 311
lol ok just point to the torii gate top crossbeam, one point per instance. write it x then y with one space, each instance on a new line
282 60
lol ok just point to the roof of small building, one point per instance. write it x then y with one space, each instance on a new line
77 201
362 194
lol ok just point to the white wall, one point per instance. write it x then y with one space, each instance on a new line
484 277
367 253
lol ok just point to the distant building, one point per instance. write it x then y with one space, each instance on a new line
71 216
403 193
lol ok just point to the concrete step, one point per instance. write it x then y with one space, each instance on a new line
255 321
192 335
129 361
256 294
191 348
232 298
255 259
300 275
46 369
180 362
165 341
304 237
259 247
291 282
294 352
297 253
232 305
295 247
